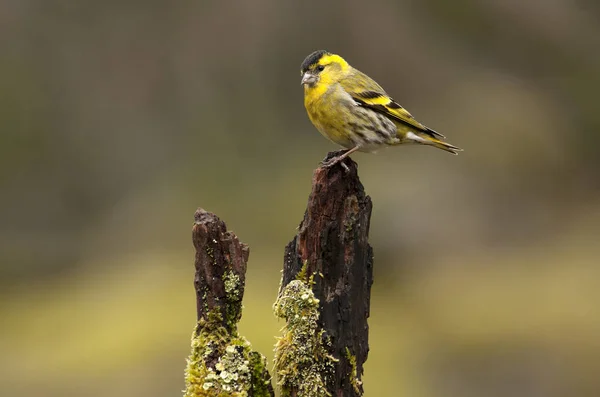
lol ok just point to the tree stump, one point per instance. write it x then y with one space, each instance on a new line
221 362
325 291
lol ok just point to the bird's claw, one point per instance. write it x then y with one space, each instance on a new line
331 162
327 164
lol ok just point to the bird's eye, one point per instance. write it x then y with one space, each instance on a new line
320 68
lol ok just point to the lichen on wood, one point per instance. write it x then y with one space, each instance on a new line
302 361
330 261
221 363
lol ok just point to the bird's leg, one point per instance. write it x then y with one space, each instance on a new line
335 160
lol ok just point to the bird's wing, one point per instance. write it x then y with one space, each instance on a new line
366 92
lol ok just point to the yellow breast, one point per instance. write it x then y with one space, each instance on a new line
328 114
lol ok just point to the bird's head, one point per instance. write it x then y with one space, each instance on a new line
322 68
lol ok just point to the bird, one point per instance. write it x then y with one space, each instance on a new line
352 110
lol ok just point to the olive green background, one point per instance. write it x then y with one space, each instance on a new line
119 118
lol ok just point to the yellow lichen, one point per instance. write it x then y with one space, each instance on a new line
233 294
302 362
356 383
233 365
231 282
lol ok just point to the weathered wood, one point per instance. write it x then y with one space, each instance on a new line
220 263
221 361
332 246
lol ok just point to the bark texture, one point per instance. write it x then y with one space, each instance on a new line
221 362
220 269
332 246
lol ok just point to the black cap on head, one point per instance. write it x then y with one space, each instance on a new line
312 59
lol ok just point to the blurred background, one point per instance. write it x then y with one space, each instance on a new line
119 118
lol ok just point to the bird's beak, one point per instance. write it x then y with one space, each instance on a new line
308 78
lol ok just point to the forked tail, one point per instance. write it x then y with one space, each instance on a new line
425 139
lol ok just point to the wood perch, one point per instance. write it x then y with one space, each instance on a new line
324 298
327 278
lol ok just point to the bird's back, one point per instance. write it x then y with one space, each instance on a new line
354 111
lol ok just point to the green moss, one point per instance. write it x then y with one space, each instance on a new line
356 383
302 274
261 386
302 362
223 364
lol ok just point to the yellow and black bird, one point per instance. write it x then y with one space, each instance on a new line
352 110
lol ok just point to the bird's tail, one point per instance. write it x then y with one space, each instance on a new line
443 145
426 139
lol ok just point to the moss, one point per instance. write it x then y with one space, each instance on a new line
302 362
222 363
302 274
261 386
354 381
